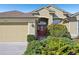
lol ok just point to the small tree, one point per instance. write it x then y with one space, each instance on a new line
58 30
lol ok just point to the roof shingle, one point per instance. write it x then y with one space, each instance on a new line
15 14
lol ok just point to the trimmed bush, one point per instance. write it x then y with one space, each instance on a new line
52 46
58 30
30 38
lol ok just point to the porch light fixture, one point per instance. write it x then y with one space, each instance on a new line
32 25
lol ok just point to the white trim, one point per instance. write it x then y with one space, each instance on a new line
77 28
28 27
69 26
74 35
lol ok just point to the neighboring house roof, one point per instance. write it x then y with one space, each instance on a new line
75 14
15 14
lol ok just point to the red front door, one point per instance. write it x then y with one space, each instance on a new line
41 30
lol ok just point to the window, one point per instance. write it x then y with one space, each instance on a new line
56 21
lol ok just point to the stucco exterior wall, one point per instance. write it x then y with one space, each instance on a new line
44 13
77 17
50 21
73 29
32 28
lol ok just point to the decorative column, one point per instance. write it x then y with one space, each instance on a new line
32 28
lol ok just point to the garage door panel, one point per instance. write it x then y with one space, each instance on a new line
13 33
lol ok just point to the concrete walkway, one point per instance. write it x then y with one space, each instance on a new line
12 48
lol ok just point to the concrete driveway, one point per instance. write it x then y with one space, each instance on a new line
12 48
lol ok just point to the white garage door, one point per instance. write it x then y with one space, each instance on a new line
13 32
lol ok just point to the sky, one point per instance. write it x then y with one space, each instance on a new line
72 8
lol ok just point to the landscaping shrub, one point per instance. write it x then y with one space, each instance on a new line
58 30
58 42
52 46
31 48
30 38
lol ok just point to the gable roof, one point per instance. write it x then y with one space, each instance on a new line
54 6
34 11
51 5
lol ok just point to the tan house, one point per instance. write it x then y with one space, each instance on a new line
16 25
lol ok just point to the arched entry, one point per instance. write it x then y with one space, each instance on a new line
42 27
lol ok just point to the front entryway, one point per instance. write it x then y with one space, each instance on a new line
42 30
42 27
